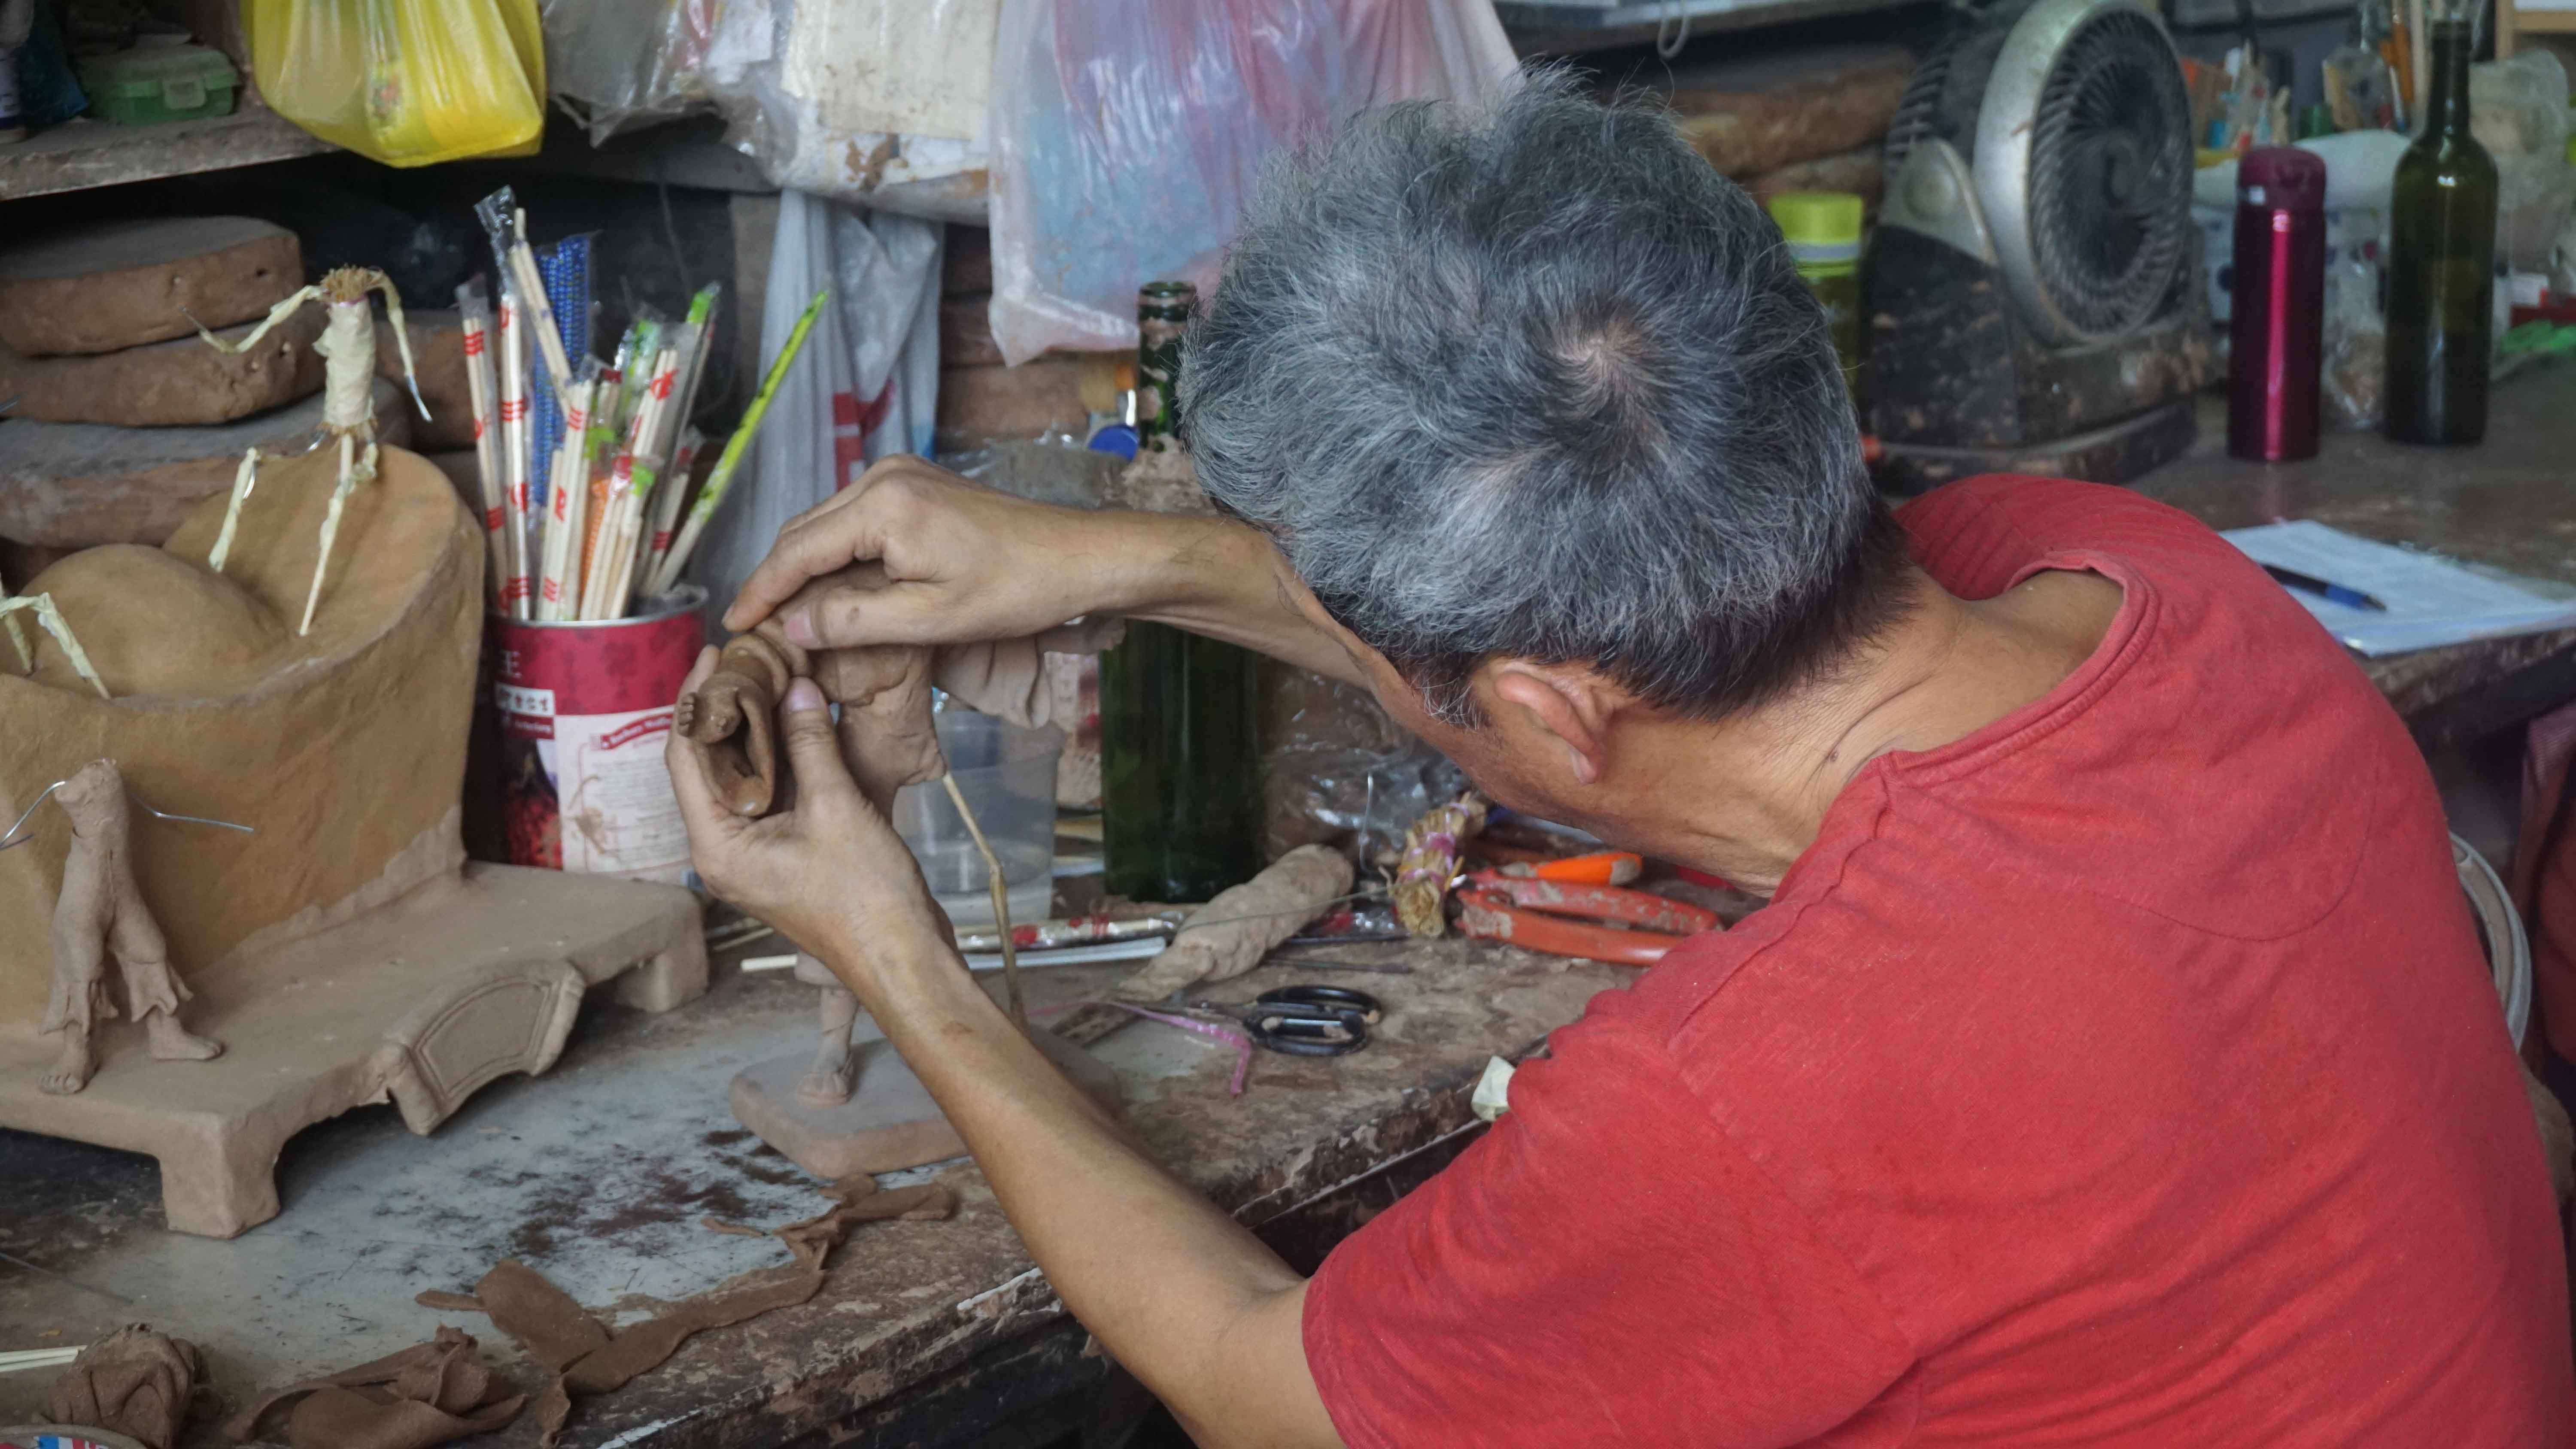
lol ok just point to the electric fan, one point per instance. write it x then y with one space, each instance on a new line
2033 288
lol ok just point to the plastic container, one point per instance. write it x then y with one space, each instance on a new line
1823 232
1007 775
154 83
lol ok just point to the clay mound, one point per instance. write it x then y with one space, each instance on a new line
157 622
153 623
344 749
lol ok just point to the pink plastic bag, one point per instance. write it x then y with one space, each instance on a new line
1127 134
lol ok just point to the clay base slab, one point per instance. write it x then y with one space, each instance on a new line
889 1123
422 1001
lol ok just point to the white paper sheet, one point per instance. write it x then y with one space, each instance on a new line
2431 600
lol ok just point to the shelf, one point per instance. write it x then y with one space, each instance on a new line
1539 27
77 155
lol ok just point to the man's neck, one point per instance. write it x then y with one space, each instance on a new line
1744 797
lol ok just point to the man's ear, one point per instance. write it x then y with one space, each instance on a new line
1571 704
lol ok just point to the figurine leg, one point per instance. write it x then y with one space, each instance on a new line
244 478
331 522
72 1069
152 991
80 961
171 1042
829 1081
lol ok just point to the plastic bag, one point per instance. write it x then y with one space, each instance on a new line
2356 344
1128 132
404 82
620 72
866 388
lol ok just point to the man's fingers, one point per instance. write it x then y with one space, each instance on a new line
848 618
813 747
799 556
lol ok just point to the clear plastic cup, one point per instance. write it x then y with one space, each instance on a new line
1007 775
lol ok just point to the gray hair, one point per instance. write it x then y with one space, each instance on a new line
1540 383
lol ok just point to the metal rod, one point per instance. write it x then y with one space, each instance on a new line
11 838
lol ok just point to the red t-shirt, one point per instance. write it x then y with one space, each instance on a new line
2127 1073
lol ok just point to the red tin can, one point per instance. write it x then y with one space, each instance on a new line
583 712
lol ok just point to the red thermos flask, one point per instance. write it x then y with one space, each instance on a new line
2276 332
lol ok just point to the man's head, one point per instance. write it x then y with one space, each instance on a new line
1537 405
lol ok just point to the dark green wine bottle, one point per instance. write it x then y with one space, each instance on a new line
1180 765
2441 264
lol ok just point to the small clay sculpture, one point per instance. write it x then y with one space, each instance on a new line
101 910
733 712
348 351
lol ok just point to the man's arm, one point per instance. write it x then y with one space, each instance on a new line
1180 1293
966 564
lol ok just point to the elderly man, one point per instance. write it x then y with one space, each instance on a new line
2114 1062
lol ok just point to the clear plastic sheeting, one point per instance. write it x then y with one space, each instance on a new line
867 388
409 84
619 65
881 101
1127 134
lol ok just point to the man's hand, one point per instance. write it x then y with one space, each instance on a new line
827 871
963 563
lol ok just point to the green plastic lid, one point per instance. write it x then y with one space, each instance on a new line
151 69
1820 226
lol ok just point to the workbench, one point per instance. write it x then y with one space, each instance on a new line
600 1173
2509 502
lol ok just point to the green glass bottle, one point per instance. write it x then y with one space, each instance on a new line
1180 765
2441 264
1180 753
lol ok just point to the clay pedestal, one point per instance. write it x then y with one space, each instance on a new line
421 1001
338 951
889 1123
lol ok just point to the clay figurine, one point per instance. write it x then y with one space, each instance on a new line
733 712
101 910
348 349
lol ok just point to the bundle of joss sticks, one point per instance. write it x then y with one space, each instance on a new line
584 524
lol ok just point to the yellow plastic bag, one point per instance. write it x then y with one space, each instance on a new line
405 82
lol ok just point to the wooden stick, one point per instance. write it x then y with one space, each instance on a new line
482 383
516 454
1001 901
560 584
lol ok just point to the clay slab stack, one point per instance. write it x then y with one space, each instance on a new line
124 417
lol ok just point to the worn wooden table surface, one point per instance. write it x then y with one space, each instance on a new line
599 1173
2509 502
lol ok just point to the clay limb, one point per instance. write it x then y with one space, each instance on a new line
101 911
1230 934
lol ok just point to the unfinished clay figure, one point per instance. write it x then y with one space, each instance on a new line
348 349
101 910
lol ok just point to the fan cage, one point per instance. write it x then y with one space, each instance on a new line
2110 175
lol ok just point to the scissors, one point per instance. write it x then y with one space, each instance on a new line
1307 1021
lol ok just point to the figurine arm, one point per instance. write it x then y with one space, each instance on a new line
276 314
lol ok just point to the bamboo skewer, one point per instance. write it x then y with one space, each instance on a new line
731 459
514 446
565 495
613 576
481 383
